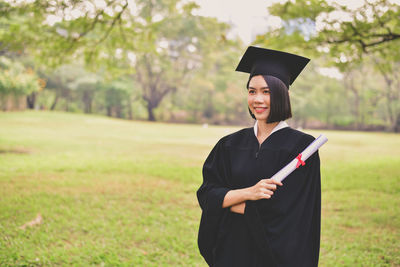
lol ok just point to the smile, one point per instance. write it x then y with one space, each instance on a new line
260 109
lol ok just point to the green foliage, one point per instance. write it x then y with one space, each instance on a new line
354 40
15 79
317 97
220 98
158 42
291 9
116 98
158 60
114 192
172 49
351 33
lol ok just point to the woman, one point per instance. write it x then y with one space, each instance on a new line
248 219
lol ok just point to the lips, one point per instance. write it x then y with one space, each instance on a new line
260 109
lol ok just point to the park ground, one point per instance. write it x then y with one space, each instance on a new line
87 190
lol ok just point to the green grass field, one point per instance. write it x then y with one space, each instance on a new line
122 193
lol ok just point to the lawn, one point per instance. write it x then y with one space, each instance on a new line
109 192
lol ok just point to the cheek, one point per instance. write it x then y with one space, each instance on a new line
249 100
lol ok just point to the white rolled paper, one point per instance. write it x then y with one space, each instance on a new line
288 169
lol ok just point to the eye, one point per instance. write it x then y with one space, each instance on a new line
252 91
266 91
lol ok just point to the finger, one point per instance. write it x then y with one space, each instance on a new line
271 187
272 181
266 196
268 192
262 183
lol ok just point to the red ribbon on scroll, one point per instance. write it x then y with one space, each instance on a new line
299 161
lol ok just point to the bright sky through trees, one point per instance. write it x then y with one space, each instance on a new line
249 18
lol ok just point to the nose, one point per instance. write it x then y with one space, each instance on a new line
259 98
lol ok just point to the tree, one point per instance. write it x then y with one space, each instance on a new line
389 70
86 86
62 82
171 48
17 81
349 36
117 98
351 32
158 42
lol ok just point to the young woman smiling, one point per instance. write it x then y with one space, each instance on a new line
247 218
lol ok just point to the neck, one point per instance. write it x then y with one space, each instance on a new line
264 128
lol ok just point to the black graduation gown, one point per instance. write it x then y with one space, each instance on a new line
281 231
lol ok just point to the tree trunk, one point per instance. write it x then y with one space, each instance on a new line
130 115
53 106
391 96
87 101
67 104
118 111
396 127
31 100
357 108
3 102
389 99
150 112
356 104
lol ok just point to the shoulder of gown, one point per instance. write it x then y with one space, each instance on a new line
286 138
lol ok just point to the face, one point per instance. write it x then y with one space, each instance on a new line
258 97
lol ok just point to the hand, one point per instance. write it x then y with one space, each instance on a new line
238 208
264 189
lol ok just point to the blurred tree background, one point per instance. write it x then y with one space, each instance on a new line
158 60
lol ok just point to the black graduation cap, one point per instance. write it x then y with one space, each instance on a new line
261 61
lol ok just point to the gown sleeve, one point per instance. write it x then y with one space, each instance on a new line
211 195
256 227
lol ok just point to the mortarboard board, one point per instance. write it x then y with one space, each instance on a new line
261 61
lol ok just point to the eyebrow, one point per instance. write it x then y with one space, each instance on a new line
266 87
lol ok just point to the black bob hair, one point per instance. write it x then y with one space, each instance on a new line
280 108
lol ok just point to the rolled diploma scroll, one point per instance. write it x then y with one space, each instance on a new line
288 169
